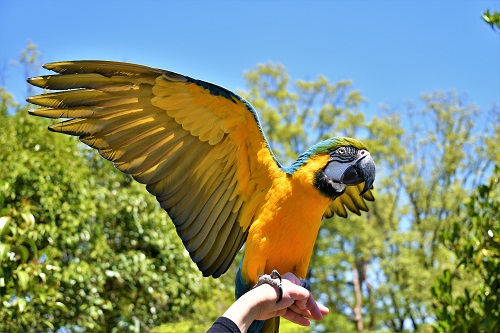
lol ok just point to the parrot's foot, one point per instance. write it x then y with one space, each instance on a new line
271 279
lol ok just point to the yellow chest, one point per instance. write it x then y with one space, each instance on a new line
284 231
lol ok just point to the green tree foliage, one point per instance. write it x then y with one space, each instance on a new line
493 19
476 242
375 271
6 102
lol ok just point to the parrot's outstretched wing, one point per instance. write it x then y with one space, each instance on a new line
198 147
350 200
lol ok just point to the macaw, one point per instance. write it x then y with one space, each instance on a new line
201 150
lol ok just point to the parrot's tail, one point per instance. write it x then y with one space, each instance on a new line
270 326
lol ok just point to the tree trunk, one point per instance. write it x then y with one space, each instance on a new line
371 298
358 318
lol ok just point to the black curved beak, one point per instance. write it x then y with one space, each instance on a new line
362 171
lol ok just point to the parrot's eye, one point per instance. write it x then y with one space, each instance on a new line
341 150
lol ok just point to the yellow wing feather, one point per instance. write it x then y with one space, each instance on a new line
199 148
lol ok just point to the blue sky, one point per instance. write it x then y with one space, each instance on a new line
392 50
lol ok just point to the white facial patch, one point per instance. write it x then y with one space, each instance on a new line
336 170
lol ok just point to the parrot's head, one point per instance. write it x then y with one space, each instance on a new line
344 162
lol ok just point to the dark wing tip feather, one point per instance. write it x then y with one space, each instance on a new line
368 195
356 212
172 76
103 67
35 81
43 112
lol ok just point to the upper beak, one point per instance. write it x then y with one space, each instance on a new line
362 171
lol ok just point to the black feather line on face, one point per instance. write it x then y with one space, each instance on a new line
344 154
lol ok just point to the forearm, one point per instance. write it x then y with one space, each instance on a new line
248 307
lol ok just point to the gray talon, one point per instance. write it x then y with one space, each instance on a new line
271 280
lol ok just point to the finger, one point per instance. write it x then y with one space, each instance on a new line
296 318
294 290
312 310
300 312
302 303
313 307
307 314
292 278
324 310
280 313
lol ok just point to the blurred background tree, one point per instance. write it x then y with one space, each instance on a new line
83 247
493 19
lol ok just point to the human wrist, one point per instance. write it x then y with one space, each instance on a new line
257 301
265 294
245 310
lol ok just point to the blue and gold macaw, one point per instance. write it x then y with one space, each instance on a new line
201 151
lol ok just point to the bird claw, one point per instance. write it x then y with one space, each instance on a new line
271 280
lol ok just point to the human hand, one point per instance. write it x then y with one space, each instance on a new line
296 305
